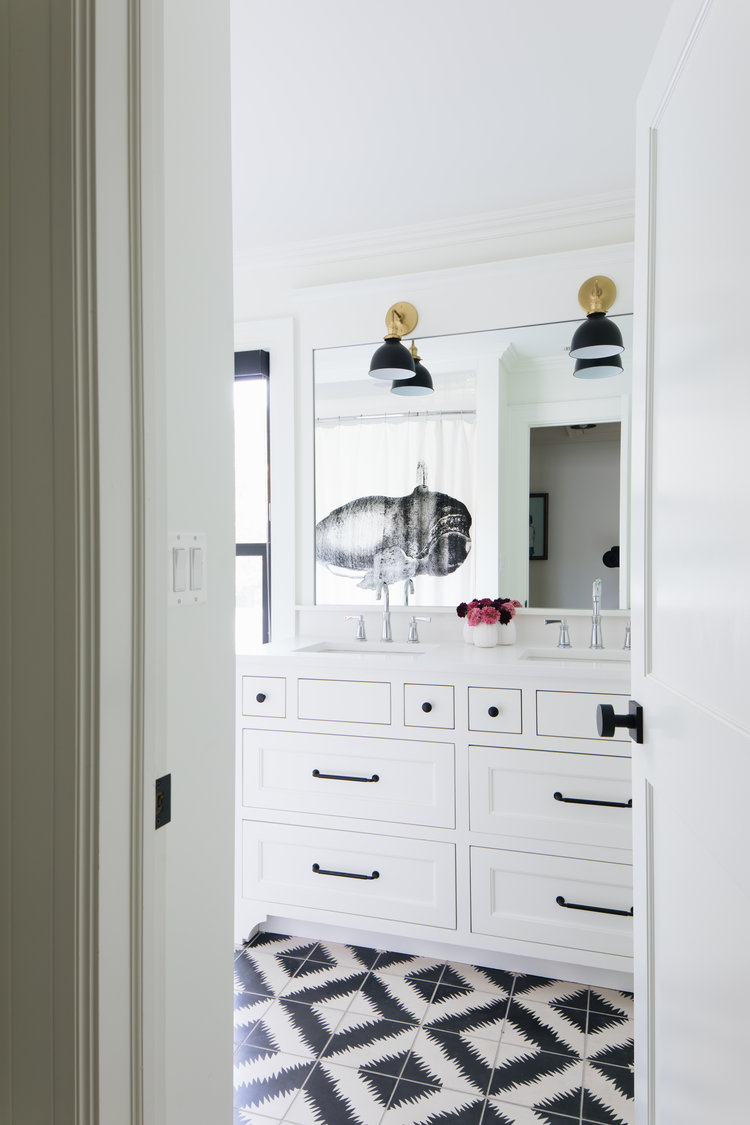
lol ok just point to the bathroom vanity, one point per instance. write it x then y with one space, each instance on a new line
438 798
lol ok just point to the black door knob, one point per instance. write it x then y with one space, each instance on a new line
607 721
493 712
261 697
427 707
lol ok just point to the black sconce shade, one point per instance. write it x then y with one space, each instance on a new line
596 338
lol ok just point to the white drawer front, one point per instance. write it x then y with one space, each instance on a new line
572 714
513 794
318 773
264 695
495 709
344 701
514 895
429 705
416 879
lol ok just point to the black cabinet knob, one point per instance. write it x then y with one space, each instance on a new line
493 712
426 707
607 721
261 697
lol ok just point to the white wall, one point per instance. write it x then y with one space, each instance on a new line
199 463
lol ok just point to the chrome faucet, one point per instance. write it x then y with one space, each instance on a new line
361 635
408 589
413 637
386 632
563 639
596 619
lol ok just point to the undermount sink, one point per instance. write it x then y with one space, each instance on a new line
578 655
363 648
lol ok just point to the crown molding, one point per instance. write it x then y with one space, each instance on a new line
588 257
582 211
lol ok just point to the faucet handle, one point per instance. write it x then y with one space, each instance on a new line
563 639
413 637
359 618
626 643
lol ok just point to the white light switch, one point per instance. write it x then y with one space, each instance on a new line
187 568
196 568
179 569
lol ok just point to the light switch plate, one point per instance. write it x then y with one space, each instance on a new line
192 571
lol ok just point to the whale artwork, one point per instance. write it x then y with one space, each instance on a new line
393 538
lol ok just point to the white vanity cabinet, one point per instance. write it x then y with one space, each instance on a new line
475 815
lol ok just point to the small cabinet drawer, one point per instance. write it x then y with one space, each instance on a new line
515 895
429 705
344 701
264 696
572 714
344 775
495 709
543 797
351 873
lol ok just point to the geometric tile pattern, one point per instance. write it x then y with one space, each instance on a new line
330 1034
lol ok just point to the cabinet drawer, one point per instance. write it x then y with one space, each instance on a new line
344 701
514 895
416 880
495 709
429 705
572 714
512 793
344 775
264 695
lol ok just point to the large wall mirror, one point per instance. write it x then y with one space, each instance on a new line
511 479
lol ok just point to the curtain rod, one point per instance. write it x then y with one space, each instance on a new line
402 414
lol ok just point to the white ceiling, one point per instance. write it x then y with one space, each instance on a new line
351 117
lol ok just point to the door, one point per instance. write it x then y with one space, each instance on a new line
691 565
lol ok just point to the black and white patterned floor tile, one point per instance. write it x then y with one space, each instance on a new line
330 1034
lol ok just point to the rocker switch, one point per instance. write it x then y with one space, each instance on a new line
179 569
196 568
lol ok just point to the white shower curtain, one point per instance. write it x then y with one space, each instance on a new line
371 457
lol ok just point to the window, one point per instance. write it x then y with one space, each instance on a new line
252 499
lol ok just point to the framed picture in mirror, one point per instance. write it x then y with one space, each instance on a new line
538 522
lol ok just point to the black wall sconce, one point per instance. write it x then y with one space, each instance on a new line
392 360
597 342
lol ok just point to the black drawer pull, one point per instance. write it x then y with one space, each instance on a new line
583 801
595 909
343 874
343 777
493 712
260 697
426 707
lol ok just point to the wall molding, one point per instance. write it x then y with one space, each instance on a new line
86 478
138 557
584 211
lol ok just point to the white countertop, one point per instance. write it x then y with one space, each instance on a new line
519 660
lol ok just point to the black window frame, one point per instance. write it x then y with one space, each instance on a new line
255 365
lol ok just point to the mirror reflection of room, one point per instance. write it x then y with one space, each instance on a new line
576 468
505 406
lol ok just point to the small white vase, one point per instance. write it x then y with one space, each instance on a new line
484 636
468 633
506 633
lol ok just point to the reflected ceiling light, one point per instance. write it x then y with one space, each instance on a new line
598 337
598 368
419 384
392 360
